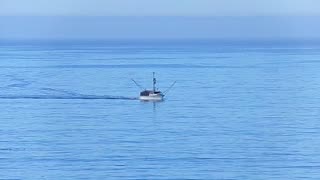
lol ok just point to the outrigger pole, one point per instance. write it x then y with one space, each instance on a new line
138 84
166 91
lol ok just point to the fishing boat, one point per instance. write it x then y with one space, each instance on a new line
151 95
154 94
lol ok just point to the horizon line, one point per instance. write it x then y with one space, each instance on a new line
315 39
160 16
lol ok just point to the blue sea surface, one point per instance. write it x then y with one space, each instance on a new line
239 110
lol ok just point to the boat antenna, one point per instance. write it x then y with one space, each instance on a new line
137 84
154 82
166 91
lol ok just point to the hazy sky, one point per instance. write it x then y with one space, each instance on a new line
153 19
160 7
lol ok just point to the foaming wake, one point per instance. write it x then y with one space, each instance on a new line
65 97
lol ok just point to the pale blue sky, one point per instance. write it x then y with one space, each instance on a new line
159 19
160 7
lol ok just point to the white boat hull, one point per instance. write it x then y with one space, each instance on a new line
152 97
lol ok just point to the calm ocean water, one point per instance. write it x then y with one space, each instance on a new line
239 110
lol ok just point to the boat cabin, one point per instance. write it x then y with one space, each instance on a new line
148 92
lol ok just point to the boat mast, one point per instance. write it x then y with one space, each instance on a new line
154 82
